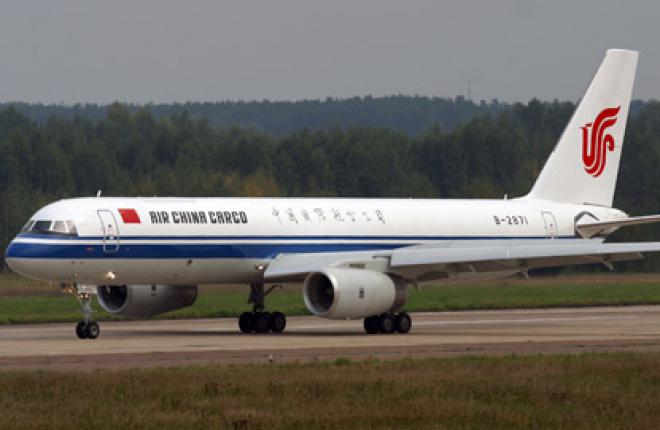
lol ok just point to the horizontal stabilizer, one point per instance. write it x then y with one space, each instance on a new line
592 229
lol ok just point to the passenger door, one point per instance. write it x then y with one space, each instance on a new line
110 231
551 229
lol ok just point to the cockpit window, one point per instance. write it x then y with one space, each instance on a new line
59 227
71 227
27 227
67 227
41 227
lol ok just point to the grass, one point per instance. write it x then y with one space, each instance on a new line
23 301
604 391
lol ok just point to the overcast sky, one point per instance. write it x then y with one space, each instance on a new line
162 51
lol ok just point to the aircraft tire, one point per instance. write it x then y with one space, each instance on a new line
80 330
246 322
386 324
92 330
277 322
371 324
262 322
403 323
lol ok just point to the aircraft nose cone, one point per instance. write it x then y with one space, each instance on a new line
14 257
10 257
32 262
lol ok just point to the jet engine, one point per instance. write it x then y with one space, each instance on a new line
145 300
338 293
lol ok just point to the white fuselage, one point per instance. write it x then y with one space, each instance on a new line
230 240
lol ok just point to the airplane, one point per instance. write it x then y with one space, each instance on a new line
356 258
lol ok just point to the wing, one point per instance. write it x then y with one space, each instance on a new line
428 262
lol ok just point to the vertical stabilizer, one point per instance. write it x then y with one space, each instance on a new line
583 166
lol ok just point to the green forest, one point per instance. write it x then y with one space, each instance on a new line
410 115
474 150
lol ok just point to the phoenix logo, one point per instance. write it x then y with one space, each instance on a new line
595 143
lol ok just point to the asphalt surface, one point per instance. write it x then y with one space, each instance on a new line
128 344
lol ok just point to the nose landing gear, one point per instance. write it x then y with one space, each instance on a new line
86 328
259 321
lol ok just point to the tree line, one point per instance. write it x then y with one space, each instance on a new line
409 114
132 152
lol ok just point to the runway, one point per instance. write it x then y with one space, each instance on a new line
128 344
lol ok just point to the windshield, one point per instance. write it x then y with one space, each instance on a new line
66 227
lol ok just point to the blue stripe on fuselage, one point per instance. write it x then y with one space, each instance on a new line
182 251
275 237
63 249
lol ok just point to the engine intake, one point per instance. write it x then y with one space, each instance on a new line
145 300
352 293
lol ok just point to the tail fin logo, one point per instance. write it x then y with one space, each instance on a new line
595 143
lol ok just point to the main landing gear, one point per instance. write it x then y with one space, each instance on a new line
388 323
259 321
86 328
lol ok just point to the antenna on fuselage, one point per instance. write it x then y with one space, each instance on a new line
98 193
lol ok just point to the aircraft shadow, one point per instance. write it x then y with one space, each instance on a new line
228 333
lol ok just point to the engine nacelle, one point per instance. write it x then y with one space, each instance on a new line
352 293
145 300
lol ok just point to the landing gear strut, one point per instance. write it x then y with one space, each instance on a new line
388 323
86 328
260 321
